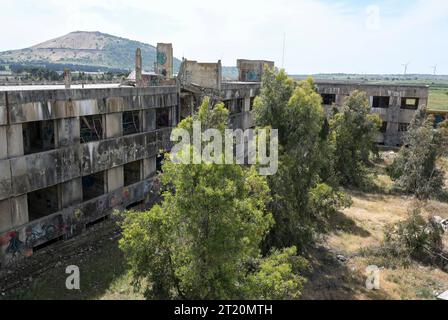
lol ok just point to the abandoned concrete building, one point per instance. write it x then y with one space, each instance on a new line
70 156
396 105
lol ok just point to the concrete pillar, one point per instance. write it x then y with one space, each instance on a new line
114 125
71 193
67 78
3 143
19 210
115 179
246 106
67 132
15 140
149 120
5 179
149 167
5 216
138 67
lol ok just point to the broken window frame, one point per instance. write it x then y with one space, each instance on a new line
131 126
96 128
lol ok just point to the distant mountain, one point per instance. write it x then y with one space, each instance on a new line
85 51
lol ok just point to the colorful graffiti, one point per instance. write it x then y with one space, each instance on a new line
15 246
161 58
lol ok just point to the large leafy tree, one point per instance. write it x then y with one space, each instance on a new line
304 159
415 168
353 131
203 241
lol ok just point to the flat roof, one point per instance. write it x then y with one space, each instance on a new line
369 83
58 87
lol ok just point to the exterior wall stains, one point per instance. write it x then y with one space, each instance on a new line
63 167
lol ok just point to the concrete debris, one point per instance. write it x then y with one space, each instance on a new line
341 258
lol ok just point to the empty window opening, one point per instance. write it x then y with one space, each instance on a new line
96 222
91 128
131 122
38 136
380 102
132 172
43 202
403 127
409 103
163 118
328 99
92 186
383 128
252 103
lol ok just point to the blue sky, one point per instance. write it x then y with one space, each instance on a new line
322 36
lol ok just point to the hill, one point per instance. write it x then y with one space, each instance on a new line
86 51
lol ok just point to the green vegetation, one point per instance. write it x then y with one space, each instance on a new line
412 239
203 241
352 133
296 111
415 169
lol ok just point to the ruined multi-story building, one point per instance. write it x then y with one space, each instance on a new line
70 156
396 104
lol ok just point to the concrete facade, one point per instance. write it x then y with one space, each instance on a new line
396 105
86 144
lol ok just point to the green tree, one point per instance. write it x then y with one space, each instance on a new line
203 241
415 168
353 131
303 161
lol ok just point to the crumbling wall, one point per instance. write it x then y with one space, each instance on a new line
252 70
205 75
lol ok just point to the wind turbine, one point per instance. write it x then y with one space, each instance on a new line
434 68
405 65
